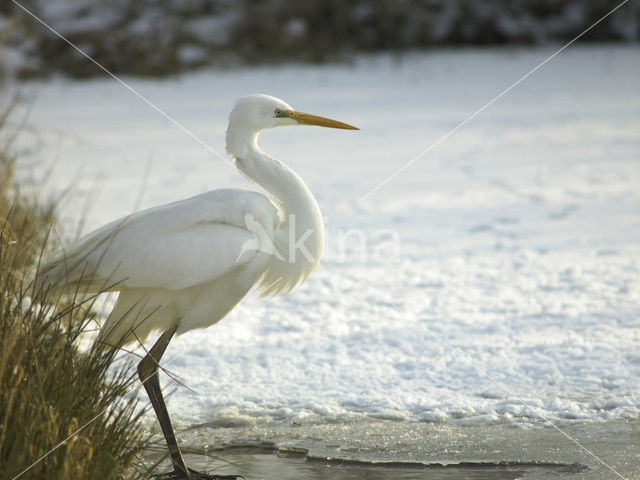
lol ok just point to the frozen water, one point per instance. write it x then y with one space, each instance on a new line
499 279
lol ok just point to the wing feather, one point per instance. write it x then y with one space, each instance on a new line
173 246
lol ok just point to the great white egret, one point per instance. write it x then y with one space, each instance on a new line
186 264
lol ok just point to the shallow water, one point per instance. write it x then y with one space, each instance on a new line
255 464
392 449
273 467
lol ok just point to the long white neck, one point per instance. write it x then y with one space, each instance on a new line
300 237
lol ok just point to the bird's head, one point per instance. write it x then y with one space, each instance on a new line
260 111
256 112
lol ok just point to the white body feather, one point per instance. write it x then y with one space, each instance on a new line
190 262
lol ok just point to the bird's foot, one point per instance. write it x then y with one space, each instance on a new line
193 475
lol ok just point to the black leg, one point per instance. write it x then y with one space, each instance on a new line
148 373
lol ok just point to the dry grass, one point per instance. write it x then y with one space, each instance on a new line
51 394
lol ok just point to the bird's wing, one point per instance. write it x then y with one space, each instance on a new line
173 246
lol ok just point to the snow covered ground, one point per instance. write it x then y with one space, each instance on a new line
499 282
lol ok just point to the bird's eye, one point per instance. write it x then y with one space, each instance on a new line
278 112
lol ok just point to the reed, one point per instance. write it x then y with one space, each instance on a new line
64 411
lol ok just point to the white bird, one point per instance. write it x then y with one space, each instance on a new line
185 265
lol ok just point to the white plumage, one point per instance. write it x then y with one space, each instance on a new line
191 261
164 262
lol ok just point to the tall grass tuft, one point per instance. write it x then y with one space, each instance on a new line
64 412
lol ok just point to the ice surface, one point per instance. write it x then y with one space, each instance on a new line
514 293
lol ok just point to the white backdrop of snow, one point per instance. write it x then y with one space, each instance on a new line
516 292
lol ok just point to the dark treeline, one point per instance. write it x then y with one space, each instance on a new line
152 37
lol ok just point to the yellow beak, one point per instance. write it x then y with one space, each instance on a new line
308 119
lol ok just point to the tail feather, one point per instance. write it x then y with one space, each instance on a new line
67 273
